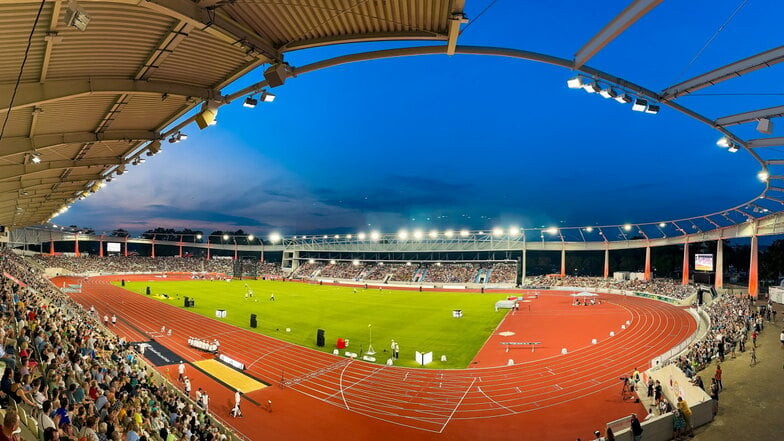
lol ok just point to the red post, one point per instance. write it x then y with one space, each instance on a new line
606 261
126 247
76 246
152 253
208 248
685 275
51 245
754 269
180 245
100 246
235 249
563 262
648 262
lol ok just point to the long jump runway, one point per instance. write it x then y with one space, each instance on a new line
489 400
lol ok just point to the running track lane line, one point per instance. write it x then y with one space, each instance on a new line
457 405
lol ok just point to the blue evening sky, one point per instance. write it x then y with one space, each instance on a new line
468 141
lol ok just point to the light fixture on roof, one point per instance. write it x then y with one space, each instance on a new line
177 137
662 225
552 230
35 157
765 126
723 142
588 229
652 108
640 105
627 227
608 92
763 176
575 82
76 16
592 87
208 114
267 97
623 98
277 74
250 102
120 170
733 148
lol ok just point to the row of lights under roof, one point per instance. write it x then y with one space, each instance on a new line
607 91
357 262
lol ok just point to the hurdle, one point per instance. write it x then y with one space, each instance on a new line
532 344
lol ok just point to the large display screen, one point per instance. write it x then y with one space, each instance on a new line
703 262
113 247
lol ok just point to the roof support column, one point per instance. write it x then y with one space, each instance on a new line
606 260
753 268
719 280
152 246
685 270
525 261
125 253
563 260
76 246
51 245
100 246
648 263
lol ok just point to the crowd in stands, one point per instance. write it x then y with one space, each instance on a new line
402 272
451 273
503 273
377 271
341 270
307 270
732 320
666 287
70 378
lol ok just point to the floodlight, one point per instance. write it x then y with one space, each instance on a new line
575 82
723 142
403 234
250 237
348 236
208 114
76 16
498 231
311 261
765 126
588 229
181 136
623 98
274 237
449 233
375 235
418 234
608 92
653 109
355 262
433 234
225 237
267 97
198 237
250 102
662 225
332 262
514 231
337 236
463 233
408 263
640 105
733 148
552 230
627 227
361 236
763 176
35 157
592 87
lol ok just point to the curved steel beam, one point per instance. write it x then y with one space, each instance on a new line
23 144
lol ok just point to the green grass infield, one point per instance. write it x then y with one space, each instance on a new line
417 321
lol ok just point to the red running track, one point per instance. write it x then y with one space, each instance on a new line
544 395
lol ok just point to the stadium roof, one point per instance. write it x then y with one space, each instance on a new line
89 88
85 103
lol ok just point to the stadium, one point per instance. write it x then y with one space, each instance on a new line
423 331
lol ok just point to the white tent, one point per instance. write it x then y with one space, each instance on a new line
584 294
